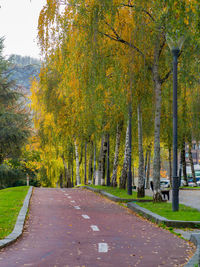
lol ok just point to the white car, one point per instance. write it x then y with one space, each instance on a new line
164 183
192 184
183 182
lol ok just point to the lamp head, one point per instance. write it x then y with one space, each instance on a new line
175 45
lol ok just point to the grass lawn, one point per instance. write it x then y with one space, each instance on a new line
165 210
190 187
11 201
118 192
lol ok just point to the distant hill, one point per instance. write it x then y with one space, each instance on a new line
22 70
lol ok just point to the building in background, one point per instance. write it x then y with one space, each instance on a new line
195 153
196 159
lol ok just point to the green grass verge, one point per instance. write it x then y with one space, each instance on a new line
165 210
118 192
11 201
190 187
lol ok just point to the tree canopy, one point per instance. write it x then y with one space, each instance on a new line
100 57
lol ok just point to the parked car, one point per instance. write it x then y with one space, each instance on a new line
164 183
191 183
183 182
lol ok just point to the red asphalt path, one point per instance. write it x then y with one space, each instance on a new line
56 234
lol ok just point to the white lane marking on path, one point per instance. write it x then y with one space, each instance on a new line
72 201
94 228
66 194
77 207
102 247
69 197
85 216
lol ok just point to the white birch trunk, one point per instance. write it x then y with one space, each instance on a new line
105 149
123 177
78 180
156 162
100 164
117 145
140 189
90 167
148 167
192 163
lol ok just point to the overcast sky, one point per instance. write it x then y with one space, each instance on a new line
18 24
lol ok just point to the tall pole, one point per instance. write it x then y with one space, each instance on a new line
108 161
175 180
129 182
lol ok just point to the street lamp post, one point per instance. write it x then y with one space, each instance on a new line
175 47
175 180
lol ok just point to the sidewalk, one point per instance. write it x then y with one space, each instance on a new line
75 227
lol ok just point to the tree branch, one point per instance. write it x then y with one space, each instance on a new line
142 9
161 47
166 76
117 38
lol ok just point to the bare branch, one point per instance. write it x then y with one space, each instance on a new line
117 38
161 47
114 31
142 9
166 76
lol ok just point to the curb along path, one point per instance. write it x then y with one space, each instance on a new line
18 229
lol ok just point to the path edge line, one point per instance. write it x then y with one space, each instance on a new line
19 225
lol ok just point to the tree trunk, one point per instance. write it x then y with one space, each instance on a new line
66 174
116 158
156 162
140 189
78 180
148 168
100 163
90 168
145 164
72 181
81 156
192 163
123 178
94 174
157 197
170 165
61 180
184 162
184 119
85 178
180 170
108 161
105 149
133 174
